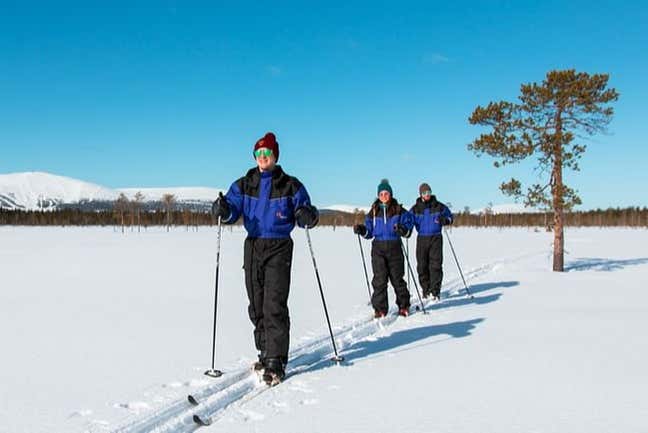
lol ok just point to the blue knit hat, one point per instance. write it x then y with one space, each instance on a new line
384 186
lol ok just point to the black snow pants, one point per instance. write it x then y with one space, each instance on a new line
429 257
267 264
388 263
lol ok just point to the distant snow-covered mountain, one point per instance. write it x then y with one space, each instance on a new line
507 208
45 191
346 208
38 190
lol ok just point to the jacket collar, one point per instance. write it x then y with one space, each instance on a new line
254 176
389 211
431 202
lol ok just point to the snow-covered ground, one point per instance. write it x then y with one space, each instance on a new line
103 331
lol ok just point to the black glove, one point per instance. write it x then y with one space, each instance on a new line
220 208
445 221
360 229
307 216
401 230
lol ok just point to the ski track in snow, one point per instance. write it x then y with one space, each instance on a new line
238 387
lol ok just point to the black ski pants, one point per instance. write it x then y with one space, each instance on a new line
388 263
429 257
267 264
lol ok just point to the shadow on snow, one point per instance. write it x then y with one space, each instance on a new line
400 339
482 287
602 265
405 338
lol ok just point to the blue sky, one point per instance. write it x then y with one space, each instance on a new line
176 93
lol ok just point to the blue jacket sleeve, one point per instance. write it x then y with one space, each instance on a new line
407 219
369 225
301 198
417 219
235 200
446 213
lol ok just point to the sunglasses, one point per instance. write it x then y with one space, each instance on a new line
262 152
426 193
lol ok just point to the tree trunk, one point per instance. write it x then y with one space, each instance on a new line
558 201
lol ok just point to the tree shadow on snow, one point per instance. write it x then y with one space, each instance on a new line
602 265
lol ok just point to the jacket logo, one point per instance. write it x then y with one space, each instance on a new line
281 216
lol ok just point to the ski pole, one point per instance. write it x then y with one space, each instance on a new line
457 262
409 267
407 248
364 266
213 372
337 358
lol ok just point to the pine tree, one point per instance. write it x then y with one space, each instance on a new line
545 123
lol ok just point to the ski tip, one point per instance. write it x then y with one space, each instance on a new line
192 400
200 421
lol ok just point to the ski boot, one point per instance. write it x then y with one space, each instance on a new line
274 371
378 314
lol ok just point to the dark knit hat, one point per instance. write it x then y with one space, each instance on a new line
384 186
424 187
269 141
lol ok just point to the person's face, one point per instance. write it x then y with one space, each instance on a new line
265 159
384 196
426 195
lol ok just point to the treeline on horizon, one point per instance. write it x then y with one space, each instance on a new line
611 217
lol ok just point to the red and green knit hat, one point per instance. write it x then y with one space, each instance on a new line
269 141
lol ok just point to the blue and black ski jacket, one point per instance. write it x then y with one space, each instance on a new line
381 219
426 216
267 201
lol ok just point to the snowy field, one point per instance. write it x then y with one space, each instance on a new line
103 332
